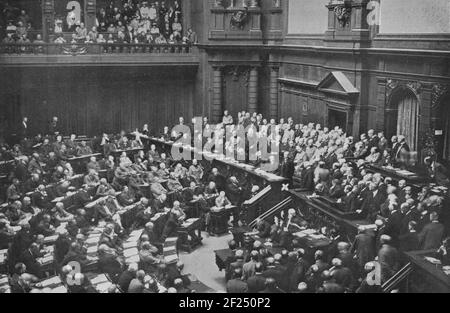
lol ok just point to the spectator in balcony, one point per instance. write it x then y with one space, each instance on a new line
101 16
160 40
74 39
111 29
82 31
21 29
167 27
162 11
101 39
171 40
11 28
177 28
171 14
154 31
24 41
152 13
129 34
149 38
38 39
24 18
121 37
141 37
60 39
93 34
102 27
177 9
191 37
58 26
120 27
9 39
145 10
111 39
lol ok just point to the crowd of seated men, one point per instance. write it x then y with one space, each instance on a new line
133 22
59 186
164 193
331 164
16 25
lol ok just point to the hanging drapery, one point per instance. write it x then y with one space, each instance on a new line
408 113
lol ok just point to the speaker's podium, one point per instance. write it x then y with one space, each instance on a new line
218 224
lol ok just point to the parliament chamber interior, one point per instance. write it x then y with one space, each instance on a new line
224 146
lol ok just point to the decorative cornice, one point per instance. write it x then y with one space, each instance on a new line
237 71
415 86
392 84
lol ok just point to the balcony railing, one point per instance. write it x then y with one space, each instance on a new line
92 48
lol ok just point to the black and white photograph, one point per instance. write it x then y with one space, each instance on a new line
226 150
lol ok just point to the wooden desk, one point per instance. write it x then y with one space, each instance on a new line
219 221
413 179
191 227
318 211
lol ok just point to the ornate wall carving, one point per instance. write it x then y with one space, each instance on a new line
437 92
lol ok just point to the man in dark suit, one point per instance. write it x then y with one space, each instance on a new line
248 269
410 240
234 191
373 139
53 127
437 171
257 282
29 258
395 222
23 128
263 228
127 276
372 202
307 177
431 235
336 190
287 166
364 247
109 264
236 284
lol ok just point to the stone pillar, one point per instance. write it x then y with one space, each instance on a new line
48 21
253 90
274 73
216 109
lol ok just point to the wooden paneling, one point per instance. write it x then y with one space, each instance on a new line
302 107
90 101
235 93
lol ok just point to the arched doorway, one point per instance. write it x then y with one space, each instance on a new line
442 128
402 115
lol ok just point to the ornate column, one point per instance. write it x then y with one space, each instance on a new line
216 109
48 11
253 90
273 92
89 16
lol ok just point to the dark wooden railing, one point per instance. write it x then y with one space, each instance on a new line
92 48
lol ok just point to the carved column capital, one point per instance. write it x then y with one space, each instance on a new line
437 92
